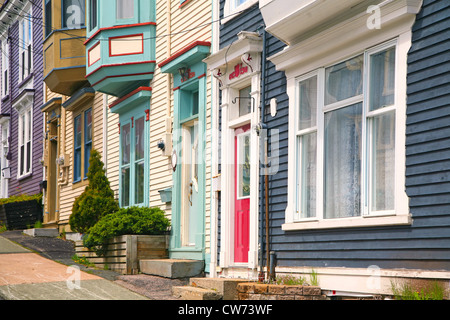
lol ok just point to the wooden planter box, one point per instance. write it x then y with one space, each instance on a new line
20 215
124 252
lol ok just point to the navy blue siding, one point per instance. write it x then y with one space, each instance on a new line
426 243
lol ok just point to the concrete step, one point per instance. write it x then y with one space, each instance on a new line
227 288
172 268
194 293
42 232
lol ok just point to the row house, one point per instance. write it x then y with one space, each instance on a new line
332 120
367 179
162 110
21 97
74 113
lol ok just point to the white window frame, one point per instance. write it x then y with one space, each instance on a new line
25 128
398 216
5 65
231 11
25 41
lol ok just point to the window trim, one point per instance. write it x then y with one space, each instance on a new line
83 171
130 120
400 216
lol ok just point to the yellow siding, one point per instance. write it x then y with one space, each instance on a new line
70 191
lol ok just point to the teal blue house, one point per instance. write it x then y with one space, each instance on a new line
120 56
188 159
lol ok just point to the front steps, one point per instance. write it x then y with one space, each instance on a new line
172 268
208 289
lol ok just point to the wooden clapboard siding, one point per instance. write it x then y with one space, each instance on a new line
426 243
30 185
112 163
70 191
189 23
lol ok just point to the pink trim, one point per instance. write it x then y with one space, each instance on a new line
89 56
118 27
127 36
119 65
122 75
184 50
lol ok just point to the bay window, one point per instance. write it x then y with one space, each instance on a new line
345 138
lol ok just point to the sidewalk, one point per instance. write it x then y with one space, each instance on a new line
42 269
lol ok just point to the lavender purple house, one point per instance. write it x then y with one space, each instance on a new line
21 98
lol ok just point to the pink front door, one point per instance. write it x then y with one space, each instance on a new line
241 194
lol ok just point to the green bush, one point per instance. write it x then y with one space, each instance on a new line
22 198
96 201
132 220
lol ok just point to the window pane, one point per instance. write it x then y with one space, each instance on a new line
344 80
139 138
195 103
139 183
87 155
126 137
125 187
382 79
244 166
88 126
48 17
342 174
307 103
92 14
77 151
383 162
245 103
28 166
125 9
77 128
73 13
307 175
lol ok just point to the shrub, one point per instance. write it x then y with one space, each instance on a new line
96 201
132 220
22 198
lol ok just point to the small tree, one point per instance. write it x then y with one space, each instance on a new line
96 201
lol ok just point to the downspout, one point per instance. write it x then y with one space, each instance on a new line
262 165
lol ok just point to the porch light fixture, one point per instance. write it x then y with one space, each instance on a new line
161 145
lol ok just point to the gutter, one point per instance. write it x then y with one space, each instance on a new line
262 166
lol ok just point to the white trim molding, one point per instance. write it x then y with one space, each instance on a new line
235 67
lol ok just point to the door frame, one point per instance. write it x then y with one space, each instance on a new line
231 121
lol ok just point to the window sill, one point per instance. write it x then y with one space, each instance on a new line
354 222
24 176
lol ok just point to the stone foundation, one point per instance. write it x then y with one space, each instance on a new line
257 291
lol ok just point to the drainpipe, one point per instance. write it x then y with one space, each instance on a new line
261 29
